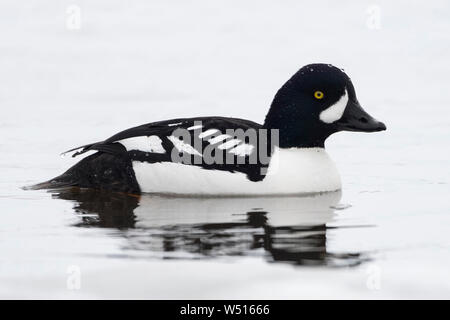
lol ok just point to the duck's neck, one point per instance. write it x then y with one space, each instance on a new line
295 133
297 127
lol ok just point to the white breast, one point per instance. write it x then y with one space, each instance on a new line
291 171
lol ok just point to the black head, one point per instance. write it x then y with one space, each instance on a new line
316 102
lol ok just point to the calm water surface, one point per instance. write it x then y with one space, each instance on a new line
287 230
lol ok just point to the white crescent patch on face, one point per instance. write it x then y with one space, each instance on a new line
335 112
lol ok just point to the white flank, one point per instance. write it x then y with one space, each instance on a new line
335 112
195 127
298 171
151 144
229 144
219 138
207 133
183 147
242 150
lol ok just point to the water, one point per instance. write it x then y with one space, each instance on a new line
290 229
385 236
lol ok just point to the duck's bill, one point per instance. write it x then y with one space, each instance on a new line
356 119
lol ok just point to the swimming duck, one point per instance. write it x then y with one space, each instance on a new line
221 156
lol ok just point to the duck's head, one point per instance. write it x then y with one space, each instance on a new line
316 102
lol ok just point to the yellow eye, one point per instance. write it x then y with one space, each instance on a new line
318 95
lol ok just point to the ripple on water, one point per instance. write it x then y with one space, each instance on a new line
280 229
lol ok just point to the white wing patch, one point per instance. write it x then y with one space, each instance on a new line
233 146
183 147
229 144
207 133
335 112
242 150
195 127
219 138
151 144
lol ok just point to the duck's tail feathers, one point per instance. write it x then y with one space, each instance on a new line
62 181
106 147
79 150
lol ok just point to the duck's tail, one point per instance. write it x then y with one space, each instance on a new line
56 183
100 171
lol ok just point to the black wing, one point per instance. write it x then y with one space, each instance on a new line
164 130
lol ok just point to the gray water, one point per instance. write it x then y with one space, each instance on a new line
385 236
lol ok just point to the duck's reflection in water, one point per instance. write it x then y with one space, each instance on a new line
283 229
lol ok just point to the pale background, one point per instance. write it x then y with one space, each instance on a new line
141 61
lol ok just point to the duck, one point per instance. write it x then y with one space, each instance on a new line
223 156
